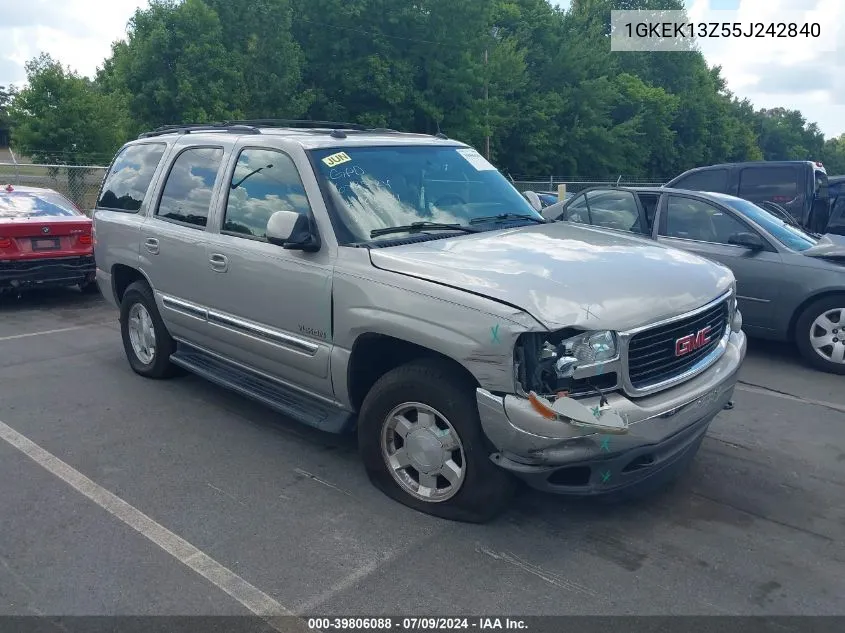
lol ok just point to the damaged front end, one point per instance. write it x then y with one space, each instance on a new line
553 369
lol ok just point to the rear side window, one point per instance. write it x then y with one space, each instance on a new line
776 184
190 184
24 204
126 184
707 180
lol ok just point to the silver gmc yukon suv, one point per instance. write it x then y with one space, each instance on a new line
398 285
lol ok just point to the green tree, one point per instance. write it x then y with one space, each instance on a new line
6 97
786 135
174 67
833 155
260 47
62 118
540 82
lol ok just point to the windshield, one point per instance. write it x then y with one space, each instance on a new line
21 204
788 235
382 187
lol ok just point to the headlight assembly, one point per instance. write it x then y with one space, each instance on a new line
568 361
587 348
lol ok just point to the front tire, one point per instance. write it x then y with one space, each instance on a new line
820 334
146 341
422 445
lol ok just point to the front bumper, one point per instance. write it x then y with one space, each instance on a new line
55 271
663 429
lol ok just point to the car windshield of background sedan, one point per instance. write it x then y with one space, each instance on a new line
22 204
377 188
788 235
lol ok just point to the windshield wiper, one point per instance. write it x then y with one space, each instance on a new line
416 227
502 217
781 213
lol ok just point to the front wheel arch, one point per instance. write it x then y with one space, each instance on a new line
373 355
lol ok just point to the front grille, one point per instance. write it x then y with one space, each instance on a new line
651 353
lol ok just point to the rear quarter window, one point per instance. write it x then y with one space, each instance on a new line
715 180
775 184
126 184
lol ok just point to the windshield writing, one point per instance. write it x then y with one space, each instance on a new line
375 188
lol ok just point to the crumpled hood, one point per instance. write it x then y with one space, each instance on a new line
565 274
828 246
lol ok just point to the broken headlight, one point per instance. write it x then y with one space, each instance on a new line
569 361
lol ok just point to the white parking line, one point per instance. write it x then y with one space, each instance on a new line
221 577
64 329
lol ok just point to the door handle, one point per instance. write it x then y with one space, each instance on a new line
219 263
151 244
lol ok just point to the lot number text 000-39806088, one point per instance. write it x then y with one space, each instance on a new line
416 624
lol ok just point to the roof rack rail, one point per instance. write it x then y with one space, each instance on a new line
295 123
188 128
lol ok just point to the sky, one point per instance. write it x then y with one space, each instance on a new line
800 73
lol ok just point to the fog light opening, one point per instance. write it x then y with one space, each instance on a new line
572 476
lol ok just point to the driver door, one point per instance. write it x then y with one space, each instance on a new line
273 307
701 227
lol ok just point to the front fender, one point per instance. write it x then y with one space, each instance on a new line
479 339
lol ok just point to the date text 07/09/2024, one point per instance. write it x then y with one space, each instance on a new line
681 30
416 624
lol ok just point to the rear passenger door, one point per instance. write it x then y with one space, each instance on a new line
125 195
272 307
698 226
174 239
616 209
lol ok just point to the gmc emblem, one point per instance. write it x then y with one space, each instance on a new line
692 342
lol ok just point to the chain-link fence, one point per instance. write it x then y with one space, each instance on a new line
574 186
80 183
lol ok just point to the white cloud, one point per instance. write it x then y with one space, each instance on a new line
799 73
78 33
796 73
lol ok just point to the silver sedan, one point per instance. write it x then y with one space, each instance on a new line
791 284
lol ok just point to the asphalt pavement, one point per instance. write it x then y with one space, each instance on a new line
125 496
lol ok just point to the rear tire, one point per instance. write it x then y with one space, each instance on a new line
820 334
425 413
146 341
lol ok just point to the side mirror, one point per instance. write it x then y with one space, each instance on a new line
292 231
748 240
534 200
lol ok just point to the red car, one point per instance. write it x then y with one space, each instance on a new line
45 240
